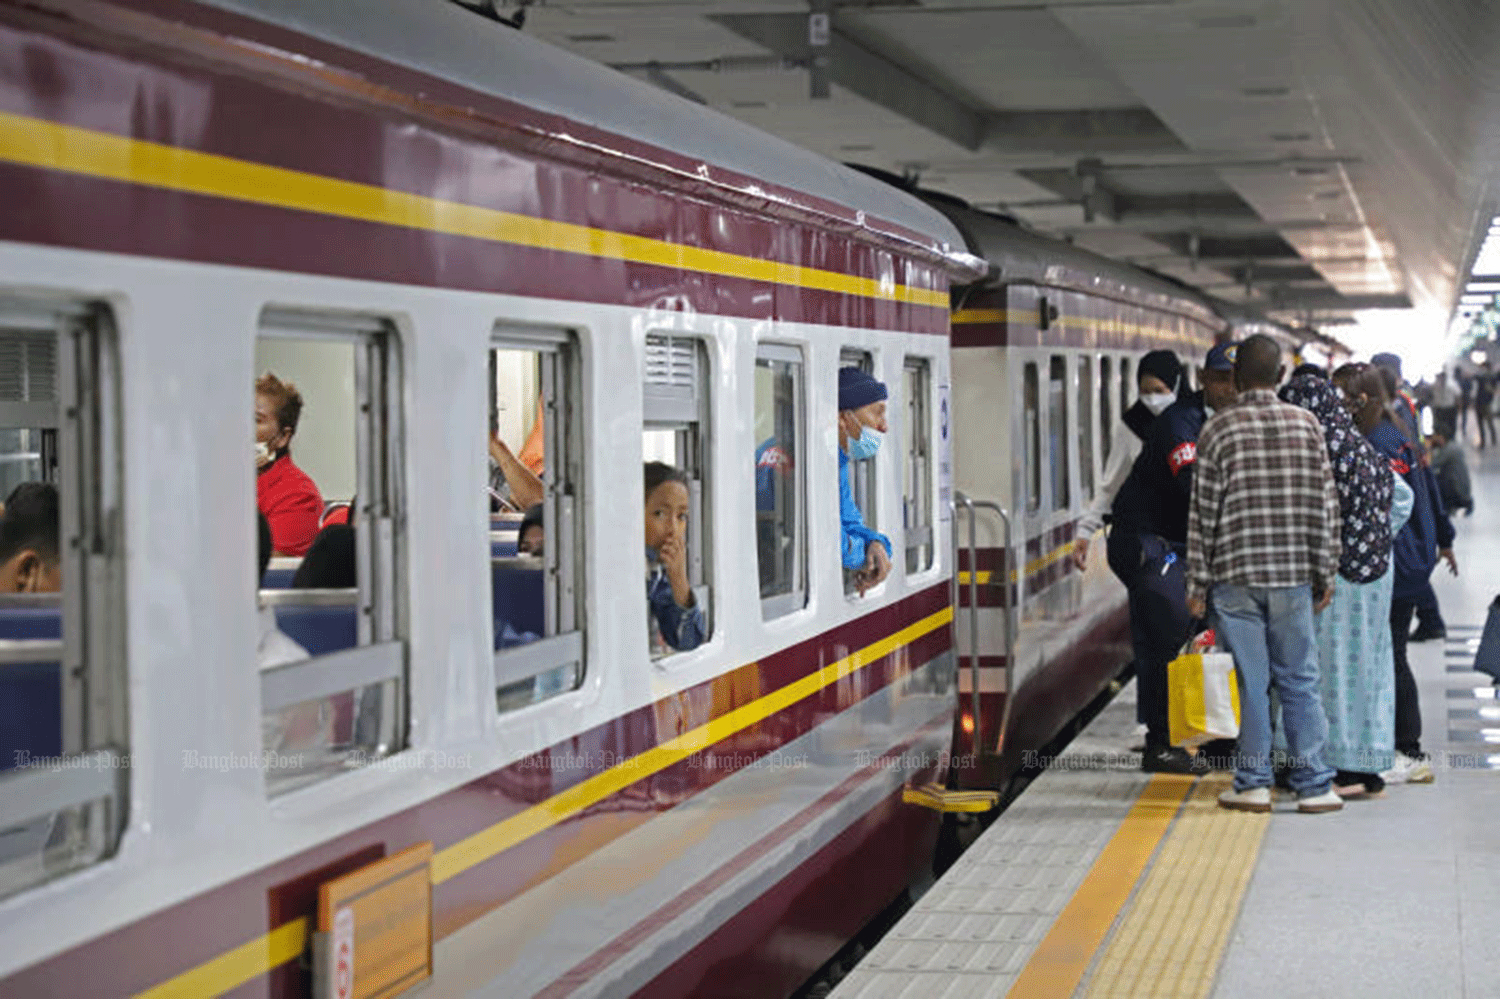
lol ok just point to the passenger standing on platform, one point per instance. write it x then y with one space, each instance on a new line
285 495
1429 613
1484 404
862 426
1158 378
1263 538
1355 670
1426 537
1465 399
1444 407
1147 547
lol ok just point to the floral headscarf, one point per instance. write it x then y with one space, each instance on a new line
1362 476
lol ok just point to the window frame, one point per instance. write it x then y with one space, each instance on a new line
799 596
1107 412
380 655
917 423
86 420
1087 423
690 418
564 646
1031 435
1059 392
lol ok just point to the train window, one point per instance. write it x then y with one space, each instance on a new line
535 556
333 684
1106 413
917 480
1085 431
1031 394
1126 393
676 433
780 534
1057 432
63 730
863 475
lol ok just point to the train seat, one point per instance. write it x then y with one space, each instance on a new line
319 629
30 693
280 574
502 545
518 599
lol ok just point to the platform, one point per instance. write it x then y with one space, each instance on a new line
1101 881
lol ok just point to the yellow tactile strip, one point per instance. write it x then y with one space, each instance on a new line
1167 944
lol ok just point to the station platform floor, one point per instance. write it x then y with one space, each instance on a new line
1102 881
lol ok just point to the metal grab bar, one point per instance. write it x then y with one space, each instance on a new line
972 506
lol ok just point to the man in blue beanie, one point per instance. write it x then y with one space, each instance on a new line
862 426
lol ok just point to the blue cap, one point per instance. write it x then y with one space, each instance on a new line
858 389
1221 358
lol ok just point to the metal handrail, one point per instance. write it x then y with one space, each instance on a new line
972 506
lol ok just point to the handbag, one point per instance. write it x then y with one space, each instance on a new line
1203 698
1487 656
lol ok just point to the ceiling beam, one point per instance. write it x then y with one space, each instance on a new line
901 91
1308 300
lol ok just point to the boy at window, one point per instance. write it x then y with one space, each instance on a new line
674 609
862 427
284 493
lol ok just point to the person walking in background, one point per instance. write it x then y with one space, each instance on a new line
1444 406
1355 671
1484 403
1263 541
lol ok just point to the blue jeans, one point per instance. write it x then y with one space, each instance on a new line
1270 632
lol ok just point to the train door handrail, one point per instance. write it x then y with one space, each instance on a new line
972 506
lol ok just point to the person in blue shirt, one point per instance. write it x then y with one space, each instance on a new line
668 592
862 426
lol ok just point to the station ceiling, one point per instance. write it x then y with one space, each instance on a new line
1310 157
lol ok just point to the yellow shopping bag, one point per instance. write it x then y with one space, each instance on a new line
1203 698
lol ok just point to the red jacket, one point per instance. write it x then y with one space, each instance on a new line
291 504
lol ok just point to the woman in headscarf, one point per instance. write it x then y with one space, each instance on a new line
1354 635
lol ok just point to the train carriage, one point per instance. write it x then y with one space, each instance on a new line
410 211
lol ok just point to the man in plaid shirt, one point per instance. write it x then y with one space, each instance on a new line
1263 535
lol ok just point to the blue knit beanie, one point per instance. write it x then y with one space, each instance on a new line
858 389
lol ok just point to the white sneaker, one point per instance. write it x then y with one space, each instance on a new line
1328 801
1252 799
1408 770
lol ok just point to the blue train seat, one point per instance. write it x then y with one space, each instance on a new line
30 693
503 547
319 630
518 599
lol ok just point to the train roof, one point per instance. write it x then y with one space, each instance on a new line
706 150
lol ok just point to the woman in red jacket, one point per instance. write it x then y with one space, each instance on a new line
285 494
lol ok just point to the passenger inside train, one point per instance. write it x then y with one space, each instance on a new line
285 494
29 549
678 621
866 553
530 536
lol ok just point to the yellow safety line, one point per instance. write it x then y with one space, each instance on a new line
39 143
1060 960
1170 941
243 963
235 967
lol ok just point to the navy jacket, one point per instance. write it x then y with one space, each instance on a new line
1415 549
1154 499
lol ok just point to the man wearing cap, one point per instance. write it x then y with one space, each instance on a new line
1153 505
862 426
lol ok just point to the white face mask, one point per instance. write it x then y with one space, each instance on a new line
1157 402
262 454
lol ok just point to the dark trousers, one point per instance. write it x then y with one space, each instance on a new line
1429 615
1486 422
1159 620
1408 711
1445 421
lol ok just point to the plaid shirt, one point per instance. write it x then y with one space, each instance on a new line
1265 511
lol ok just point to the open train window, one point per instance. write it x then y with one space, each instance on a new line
333 685
917 478
1085 430
1127 396
63 731
676 433
1106 413
780 531
863 475
1057 432
535 551
1031 394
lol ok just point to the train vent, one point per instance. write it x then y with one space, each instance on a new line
28 366
672 378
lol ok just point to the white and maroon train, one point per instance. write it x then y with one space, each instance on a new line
416 197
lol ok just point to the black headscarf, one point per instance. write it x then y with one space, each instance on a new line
1362 476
